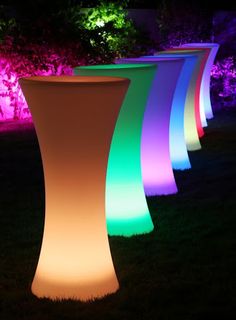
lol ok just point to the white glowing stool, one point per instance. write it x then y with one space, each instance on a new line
74 119
205 84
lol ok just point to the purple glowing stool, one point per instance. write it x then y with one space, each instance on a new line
178 148
157 172
205 99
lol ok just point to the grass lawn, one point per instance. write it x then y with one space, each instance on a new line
185 269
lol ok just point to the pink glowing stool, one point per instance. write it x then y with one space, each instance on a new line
205 99
74 119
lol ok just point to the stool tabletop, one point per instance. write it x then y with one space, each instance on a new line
72 79
116 66
204 44
170 55
152 59
181 50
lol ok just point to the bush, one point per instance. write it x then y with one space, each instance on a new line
7 24
182 22
104 30
223 83
23 58
57 41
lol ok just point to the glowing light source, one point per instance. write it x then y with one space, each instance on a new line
100 23
75 260
205 99
178 149
192 122
126 207
199 106
157 172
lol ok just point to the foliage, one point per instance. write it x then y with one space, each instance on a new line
105 29
223 82
180 23
6 24
40 15
60 38
22 58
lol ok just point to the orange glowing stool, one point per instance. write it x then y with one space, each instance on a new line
74 119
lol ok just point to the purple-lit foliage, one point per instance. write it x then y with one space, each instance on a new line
180 23
26 59
223 83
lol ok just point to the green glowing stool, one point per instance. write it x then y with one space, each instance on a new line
127 212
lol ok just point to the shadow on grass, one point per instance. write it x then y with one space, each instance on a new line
184 269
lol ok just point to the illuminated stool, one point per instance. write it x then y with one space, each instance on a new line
199 111
127 212
192 121
74 119
177 146
157 172
205 84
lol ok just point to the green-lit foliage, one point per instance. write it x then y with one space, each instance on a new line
102 28
105 28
